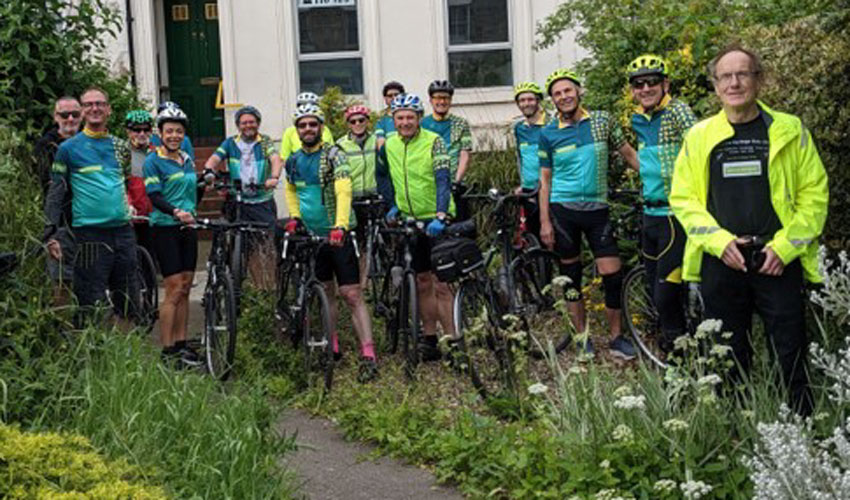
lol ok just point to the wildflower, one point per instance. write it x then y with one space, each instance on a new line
576 370
684 343
630 403
695 489
623 390
623 433
605 464
720 350
821 416
727 335
572 294
561 281
675 425
710 326
709 380
537 388
664 486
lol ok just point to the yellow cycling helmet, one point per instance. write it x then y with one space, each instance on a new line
524 87
561 74
648 64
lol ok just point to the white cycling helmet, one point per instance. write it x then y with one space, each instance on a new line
171 114
407 101
306 98
305 110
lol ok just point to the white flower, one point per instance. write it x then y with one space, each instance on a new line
664 486
675 425
561 281
710 326
630 403
710 379
721 350
537 388
623 433
605 464
695 489
623 390
684 343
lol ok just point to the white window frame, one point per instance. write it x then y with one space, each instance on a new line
329 56
482 47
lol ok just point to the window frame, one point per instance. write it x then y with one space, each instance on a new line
329 56
480 47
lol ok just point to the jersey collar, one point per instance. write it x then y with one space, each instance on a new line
93 134
665 101
543 120
583 115
163 153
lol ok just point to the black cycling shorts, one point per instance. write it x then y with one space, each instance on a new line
176 249
422 253
340 262
570 224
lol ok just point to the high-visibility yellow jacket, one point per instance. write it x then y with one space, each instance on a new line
798 192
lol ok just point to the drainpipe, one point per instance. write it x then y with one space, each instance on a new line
130 45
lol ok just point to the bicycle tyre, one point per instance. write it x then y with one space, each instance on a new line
237 266
408 324
148 302
286 295
220 324
640 316
487 351
316 336
534 300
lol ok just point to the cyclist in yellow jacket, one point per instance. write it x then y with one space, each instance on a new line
751 193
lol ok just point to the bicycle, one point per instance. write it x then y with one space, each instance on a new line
303 302
219 298
148 293
640 316
486 307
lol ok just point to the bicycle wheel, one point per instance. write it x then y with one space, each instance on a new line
286 294
489 360
641 318
545 267
220 324
534 300
148 301
408 323
237 265
316 340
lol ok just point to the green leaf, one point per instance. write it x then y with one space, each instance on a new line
24 49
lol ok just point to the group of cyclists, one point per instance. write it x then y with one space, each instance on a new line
736 201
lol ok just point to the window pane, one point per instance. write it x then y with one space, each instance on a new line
328 29
478 21
346 74
486 68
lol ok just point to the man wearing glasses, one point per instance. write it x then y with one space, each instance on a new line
67 115
385 128
751 193
94 167
660 123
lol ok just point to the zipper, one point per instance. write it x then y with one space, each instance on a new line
406 185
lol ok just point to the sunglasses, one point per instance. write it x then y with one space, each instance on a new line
356 121
640 83
145 130
303 125
67 114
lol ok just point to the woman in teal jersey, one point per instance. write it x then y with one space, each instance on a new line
171 185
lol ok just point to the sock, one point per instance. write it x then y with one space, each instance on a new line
367 349
335 342
430 339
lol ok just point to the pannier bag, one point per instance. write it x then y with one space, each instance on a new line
455 257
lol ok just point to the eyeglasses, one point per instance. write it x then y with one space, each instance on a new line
95 104
640 83
66 114
356 121
303 125
145 130
392 95
741 76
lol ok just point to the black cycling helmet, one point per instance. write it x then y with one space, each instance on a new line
441 86
392 85
248 110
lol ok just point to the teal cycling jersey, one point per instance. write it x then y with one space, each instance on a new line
186 145
385 126
527 138
577 154
455 133
660 135
319 180
96 167
176 181
263 150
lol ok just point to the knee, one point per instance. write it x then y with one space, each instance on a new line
424 281
351 294
442 291
613 284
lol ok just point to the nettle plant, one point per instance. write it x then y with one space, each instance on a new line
791 460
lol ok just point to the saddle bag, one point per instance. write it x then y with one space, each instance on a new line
455 257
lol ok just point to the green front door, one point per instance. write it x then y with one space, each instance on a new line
194 65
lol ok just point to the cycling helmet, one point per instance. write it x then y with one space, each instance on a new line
561 74
138 117
407 101
175 115
356 109
523 87
647 64
441 86
165 105
248 110
393 85
308 109
306 98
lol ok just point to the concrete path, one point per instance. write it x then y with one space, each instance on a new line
332 468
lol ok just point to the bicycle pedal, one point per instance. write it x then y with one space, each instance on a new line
320 343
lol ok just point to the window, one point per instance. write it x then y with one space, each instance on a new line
329 46
479 43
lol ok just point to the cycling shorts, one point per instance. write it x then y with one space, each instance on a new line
176 249
340 262
570 224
